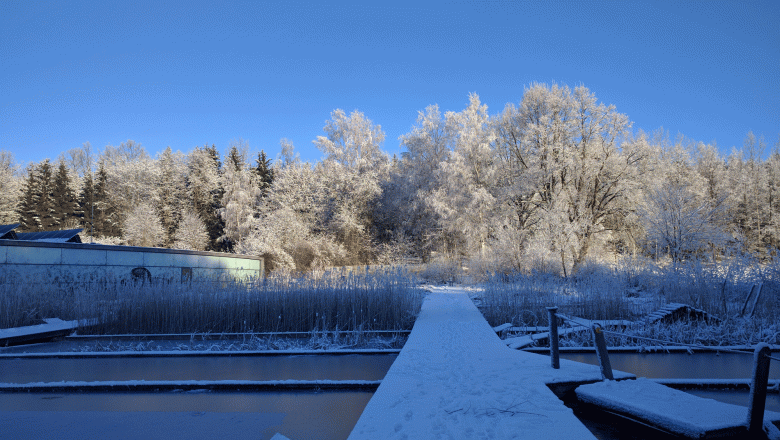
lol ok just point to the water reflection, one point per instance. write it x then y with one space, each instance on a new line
299 415
316 367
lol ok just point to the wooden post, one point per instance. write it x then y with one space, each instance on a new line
601 352
554 355
757 401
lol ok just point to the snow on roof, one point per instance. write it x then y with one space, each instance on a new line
7 230
63 236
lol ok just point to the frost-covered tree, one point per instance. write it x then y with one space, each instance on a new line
409 191
351 173
773 199
749 193
679 217
80 160
191 232
465 202
291 228
240 196
170 191
142 227
10 188
562 151
205 191
131 178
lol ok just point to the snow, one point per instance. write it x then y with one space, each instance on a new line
190 353
662 406
455 378
52 325
161 385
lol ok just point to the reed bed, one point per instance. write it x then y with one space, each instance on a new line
385 299
630 291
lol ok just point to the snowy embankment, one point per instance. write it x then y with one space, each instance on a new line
455 378
188 385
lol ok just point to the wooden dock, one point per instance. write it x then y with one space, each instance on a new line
672 410
455 378
52 328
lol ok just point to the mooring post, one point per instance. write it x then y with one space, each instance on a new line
601 352
757 401
554 356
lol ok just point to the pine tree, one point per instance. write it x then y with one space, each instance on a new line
205 191
87 205
26 209
106 223
64 199
264 173
236 156
44 197
170 194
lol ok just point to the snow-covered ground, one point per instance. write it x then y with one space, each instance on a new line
456 379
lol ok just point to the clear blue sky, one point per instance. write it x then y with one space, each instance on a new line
182 74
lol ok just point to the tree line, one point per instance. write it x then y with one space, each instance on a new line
554 181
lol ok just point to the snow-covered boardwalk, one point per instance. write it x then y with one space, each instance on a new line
455 378
673 410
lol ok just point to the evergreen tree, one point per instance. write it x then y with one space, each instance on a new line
26 209
106 223
170 194
64 199
86 209
264 173
205 192
236 156
44 197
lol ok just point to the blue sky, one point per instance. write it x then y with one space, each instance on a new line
182 74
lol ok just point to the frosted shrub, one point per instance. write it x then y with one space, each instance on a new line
380 300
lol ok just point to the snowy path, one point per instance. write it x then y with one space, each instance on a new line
455 379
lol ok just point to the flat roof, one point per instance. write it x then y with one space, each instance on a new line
102 247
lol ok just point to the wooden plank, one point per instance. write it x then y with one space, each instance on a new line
673 410
53 328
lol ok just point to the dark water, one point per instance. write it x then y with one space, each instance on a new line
680 365
318 367
299 415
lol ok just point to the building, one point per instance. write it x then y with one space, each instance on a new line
59 256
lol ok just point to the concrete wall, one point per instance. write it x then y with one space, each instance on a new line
74 262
